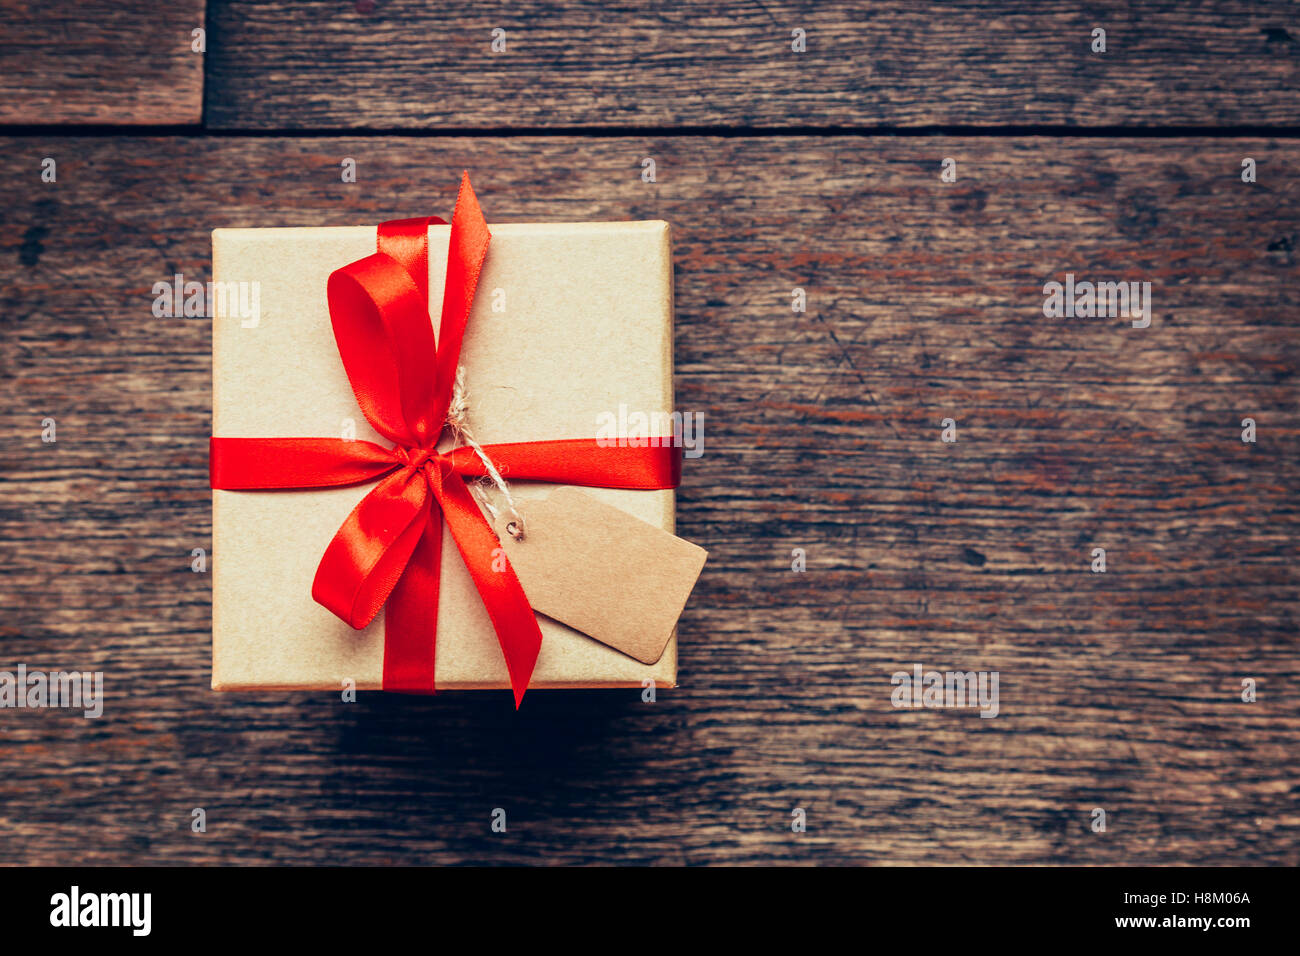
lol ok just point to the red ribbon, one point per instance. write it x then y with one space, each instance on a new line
389 548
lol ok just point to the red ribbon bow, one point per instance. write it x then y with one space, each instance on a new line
389 548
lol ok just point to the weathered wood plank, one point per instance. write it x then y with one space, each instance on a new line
101 62
402 64
1118 690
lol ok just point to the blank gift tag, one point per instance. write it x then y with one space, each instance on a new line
601 571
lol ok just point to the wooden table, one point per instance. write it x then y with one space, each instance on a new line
818 171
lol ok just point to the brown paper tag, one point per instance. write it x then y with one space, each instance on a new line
601 571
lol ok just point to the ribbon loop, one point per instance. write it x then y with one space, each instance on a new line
374 300
368 554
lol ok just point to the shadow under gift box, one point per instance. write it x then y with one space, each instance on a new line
569 321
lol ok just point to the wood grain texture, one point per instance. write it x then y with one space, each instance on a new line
1118 690
100 62
402 64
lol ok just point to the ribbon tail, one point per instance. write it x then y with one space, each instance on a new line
503 596
411 615
467 248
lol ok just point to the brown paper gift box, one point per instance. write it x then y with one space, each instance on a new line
583 325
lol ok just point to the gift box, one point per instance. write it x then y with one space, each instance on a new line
569 323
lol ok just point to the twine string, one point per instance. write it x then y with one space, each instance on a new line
458 422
